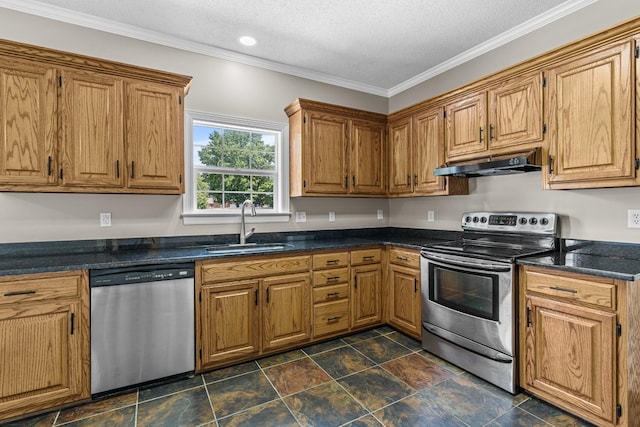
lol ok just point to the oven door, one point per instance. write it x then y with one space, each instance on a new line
469 302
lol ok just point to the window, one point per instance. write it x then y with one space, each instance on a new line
232 160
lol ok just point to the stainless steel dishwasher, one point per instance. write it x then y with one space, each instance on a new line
142 325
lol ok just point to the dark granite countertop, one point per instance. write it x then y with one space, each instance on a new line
24 258
605 259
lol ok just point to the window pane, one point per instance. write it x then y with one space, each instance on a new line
262 184
236 159
263 201
237 183
263 161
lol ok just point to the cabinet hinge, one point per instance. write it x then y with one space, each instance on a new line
73 323
637 163
544 81
618 411
528 316
544 128
619 330
60 81
637 52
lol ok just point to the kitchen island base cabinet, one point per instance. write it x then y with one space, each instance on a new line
44 331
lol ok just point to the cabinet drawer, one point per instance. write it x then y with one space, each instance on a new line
597 292
366 256
330 317
330 260
331 293
27 288
330 277
237 270
405 257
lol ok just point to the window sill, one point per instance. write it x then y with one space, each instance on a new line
233 218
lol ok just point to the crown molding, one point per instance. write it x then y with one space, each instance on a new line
84 20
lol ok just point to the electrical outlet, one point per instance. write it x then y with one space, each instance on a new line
105 219
431 216
380 214
633 218
332 217
301 217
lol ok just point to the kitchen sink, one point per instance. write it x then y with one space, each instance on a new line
237 248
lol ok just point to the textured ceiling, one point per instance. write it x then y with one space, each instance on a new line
376 46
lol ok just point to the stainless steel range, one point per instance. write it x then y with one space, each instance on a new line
469 306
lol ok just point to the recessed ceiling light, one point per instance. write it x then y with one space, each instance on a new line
247 40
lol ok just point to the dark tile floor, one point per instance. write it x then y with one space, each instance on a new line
374 378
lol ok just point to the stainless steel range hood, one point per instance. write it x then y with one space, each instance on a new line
529 161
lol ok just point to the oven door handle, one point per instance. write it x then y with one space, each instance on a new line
467 264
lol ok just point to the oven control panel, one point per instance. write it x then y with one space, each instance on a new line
516 222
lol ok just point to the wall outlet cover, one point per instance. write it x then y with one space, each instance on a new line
301 216
431 216
633 218
105 219
332 217
380 214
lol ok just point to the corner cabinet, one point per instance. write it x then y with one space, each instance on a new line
416 148
44 330
591 120
575 337
71 123
335 151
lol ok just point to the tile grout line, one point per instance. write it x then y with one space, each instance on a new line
278 392
206 390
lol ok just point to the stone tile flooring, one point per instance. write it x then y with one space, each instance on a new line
374 378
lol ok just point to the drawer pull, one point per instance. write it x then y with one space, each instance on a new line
333 261
402 258
332 278
556 288
333 294
368 257
333 319
13 294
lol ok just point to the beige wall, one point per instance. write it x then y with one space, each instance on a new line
228 88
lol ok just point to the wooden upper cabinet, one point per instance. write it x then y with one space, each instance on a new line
367 157
428 154
400 156
515 111
325 153
92 145
591 120
335 151
466 125
28 123
154 140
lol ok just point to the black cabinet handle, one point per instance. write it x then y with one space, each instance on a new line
267 295
133 168
550 164
333 319
13 294
257 296
557 288
481 134
408 180
415 285
117 168
333 294
490 132
49 166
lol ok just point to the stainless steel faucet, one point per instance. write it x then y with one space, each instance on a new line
244 236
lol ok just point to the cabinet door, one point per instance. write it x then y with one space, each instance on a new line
400 157
591 118
154 137
325 153
365 298
571 355
404 299
466 128
230 317
287 310
92 137
40 356
28 123
428 152
367 158
515 112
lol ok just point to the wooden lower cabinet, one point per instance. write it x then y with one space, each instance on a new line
286 311
366 305
404 298
575 332
330 294
233 326
44 331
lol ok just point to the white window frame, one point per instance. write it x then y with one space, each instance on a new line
279 213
